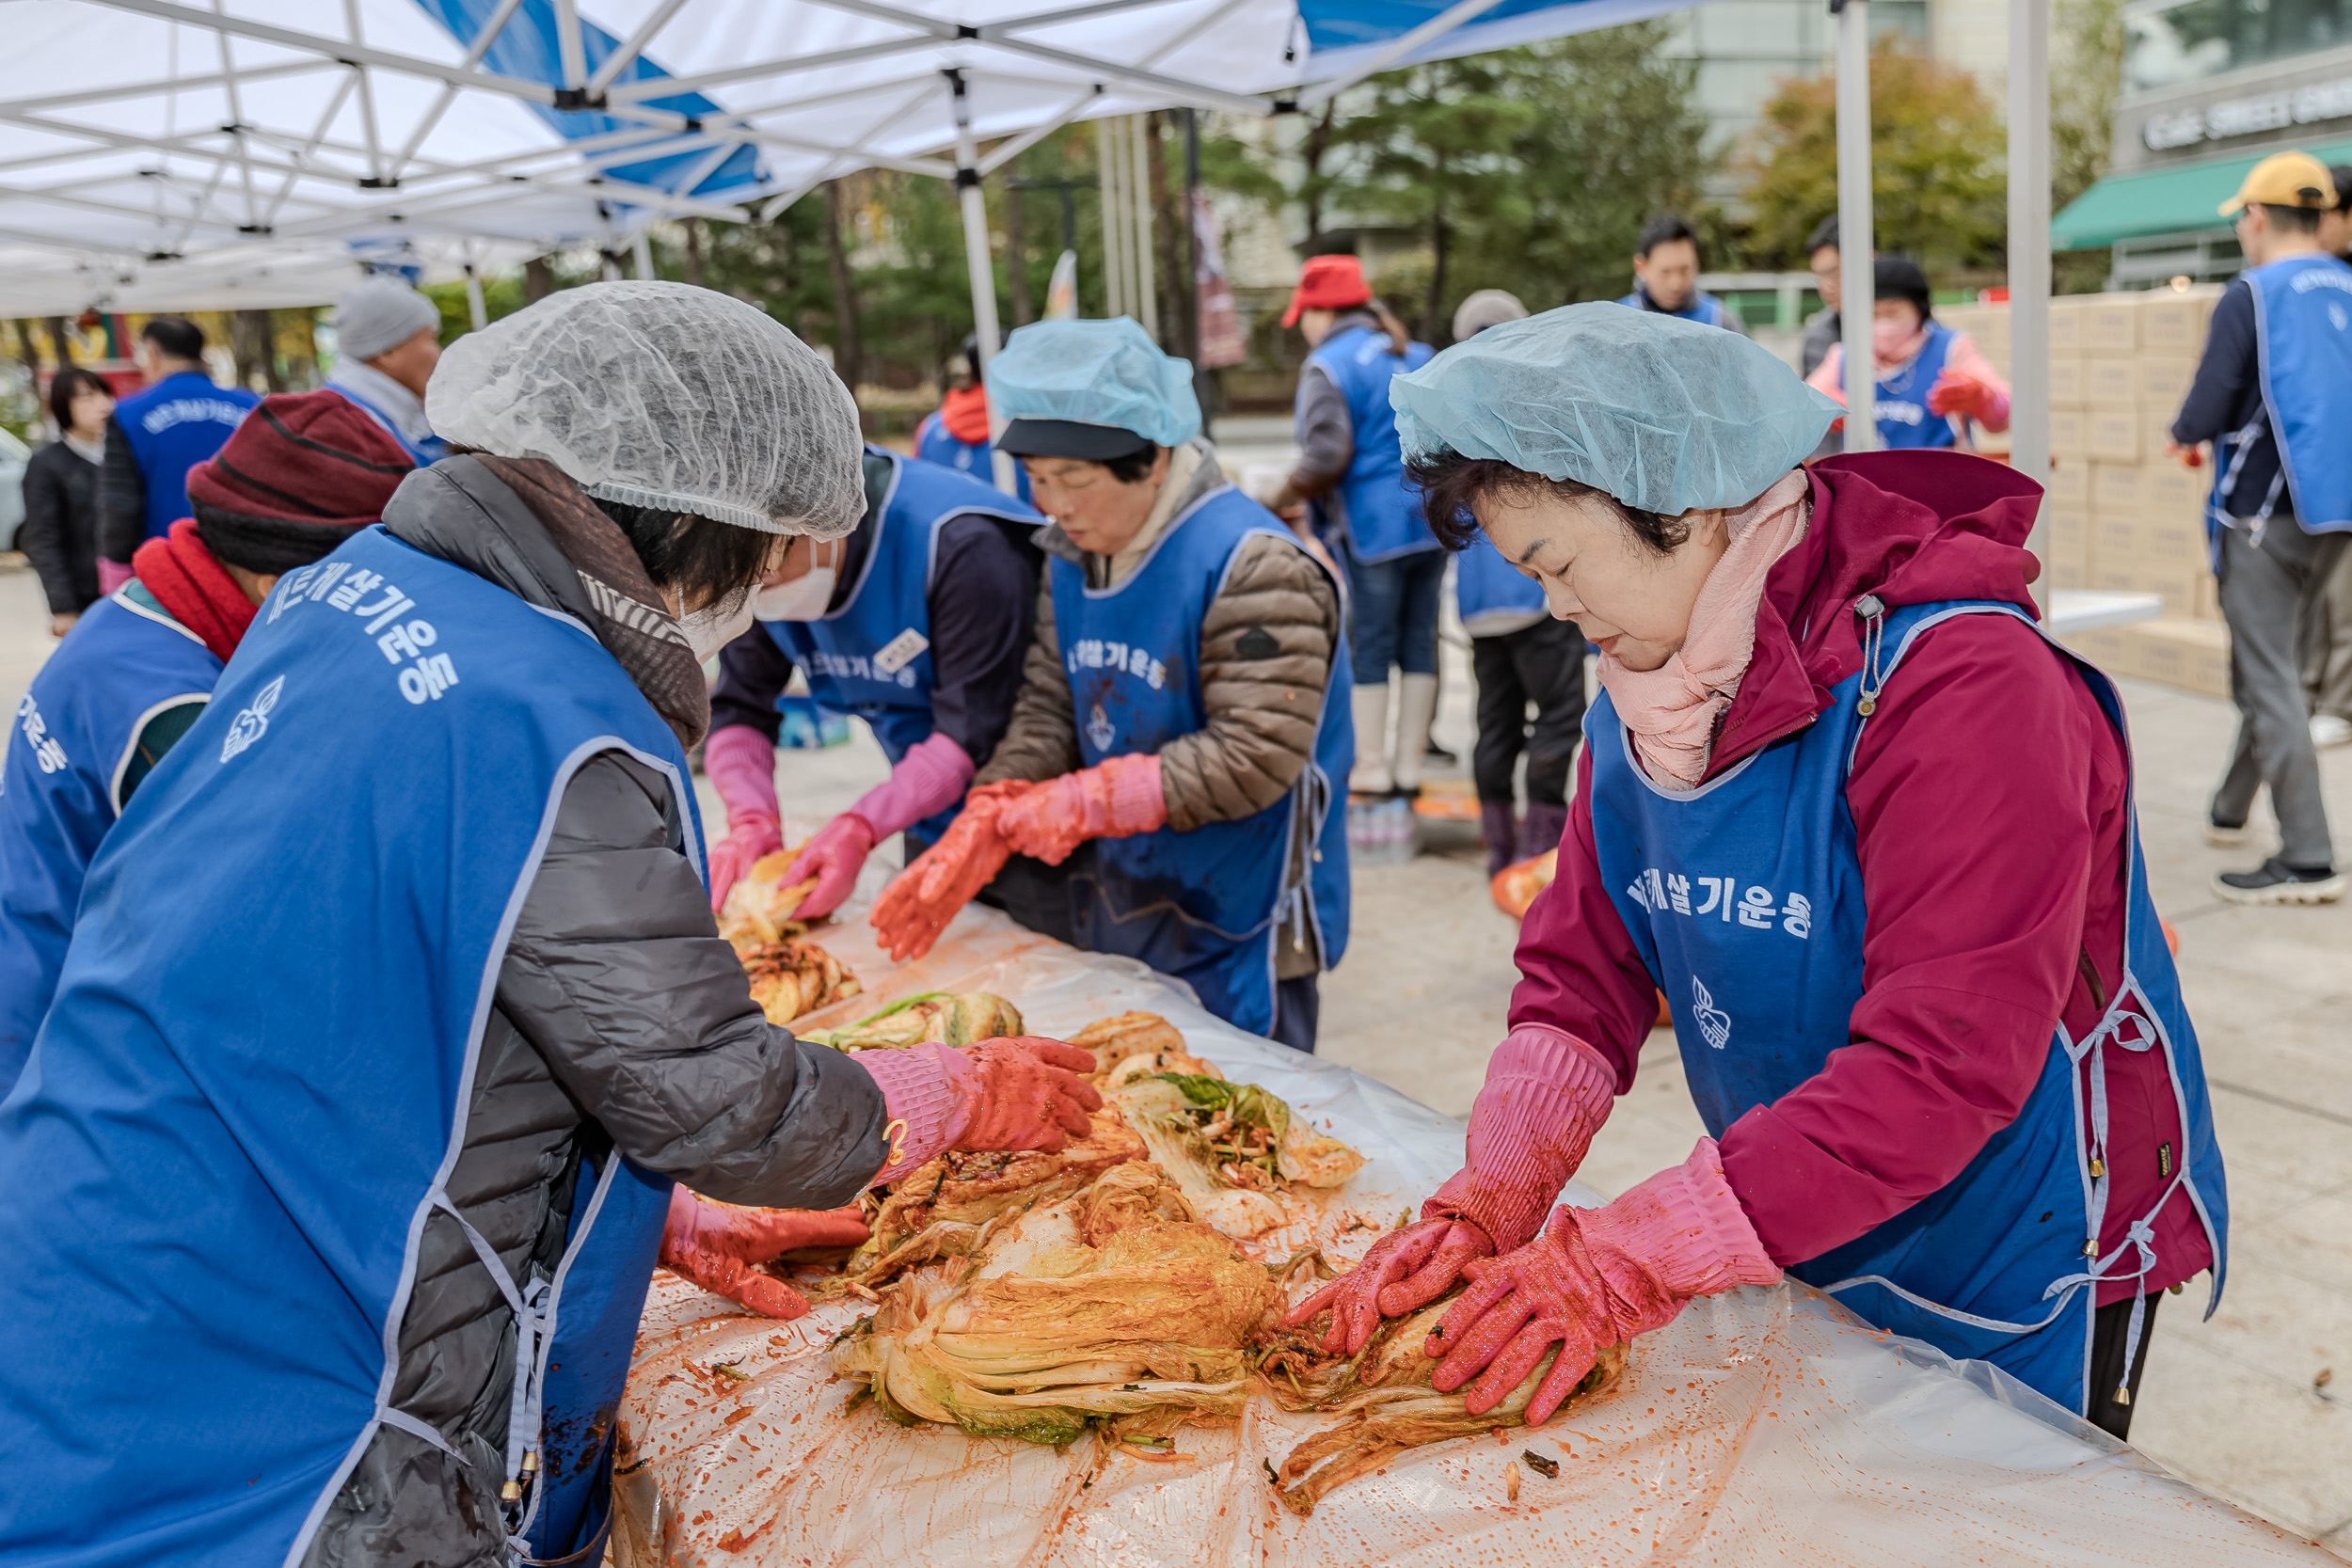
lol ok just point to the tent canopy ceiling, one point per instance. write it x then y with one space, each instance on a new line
256 144
2180 200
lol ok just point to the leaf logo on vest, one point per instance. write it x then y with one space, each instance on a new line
252 721
1714 1023
1100 729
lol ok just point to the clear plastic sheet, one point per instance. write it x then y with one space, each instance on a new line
1767 1426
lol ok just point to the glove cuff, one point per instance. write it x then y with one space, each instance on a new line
740 764
1133 798
926 1092
1546 1094
928 778
1687 1224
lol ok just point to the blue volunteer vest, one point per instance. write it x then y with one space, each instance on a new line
173 426
873 656
245 1101
1485 583
2303 344
973 459
1746 900
1905 419
1204 906
1383 509
125 663
1703 308
424 453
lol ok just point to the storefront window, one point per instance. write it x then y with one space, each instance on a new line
2167 44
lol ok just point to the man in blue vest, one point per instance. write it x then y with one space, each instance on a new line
299 477
157 435
917 623
1666 275
955 434
395 1005
1184 731
1350 476
2273 394
387 338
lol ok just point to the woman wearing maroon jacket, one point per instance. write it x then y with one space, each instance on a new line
1872 833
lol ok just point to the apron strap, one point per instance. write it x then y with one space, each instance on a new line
533 1328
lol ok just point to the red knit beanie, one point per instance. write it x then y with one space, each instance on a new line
300 475
1327 284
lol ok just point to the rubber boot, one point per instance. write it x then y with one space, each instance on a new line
1541 830
1371 774
1415 705
1498 827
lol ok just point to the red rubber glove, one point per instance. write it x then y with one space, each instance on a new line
1118 798
1596 1277
1958 392
918 905
1546 1094
716 1244
1005 1094
834 857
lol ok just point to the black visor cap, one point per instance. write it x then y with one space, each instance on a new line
1095 443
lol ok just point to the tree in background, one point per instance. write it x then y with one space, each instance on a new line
2086 76
1939 181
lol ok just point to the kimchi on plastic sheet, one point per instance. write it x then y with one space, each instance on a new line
1765 1426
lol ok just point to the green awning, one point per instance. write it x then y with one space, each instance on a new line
2180 200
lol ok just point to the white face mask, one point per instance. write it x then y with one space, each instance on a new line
714 627
805 598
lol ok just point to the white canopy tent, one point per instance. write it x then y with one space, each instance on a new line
248 151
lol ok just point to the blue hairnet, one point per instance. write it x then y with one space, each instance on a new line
1095 372
1665 415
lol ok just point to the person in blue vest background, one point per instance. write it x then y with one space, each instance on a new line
918 623
387 338
295 480
157 435
1932 382
1870 831
955 434
1182 733
2273 394
1666 277
1349 475
395 1005
1522 656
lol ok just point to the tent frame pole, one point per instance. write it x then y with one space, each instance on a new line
975 258
1147 289
1114 253
2030 262
1856 229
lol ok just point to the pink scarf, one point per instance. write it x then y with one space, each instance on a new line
1672 709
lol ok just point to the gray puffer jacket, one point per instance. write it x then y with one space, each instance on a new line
621 1020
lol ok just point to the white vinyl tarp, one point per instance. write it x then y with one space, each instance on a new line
1761 1427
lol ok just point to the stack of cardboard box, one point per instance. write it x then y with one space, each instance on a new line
2124 516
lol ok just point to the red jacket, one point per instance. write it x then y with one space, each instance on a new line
1991 800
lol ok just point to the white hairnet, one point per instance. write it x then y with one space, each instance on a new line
662 394
1095 372
1665 415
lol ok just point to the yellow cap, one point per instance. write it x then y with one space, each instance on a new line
2284 180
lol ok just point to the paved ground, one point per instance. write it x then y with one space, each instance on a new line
2247 1404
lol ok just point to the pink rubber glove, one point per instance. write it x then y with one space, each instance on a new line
113 575
923 898
1118 798
740 764
1546 1094
927 778
1005 1094
1596 1277
716 1244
